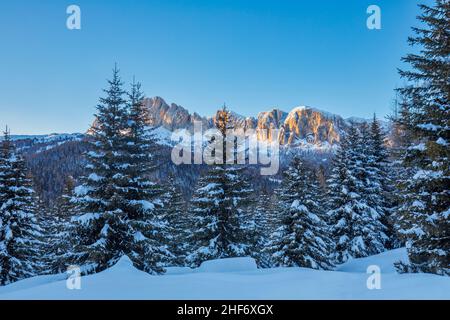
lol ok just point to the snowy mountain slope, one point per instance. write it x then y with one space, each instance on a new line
211 281
45 138
40 143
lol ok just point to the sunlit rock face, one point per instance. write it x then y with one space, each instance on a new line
311 125
171 116
302 125
267 122
237 121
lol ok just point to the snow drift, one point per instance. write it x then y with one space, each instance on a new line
238 278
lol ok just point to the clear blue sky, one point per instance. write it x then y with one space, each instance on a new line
253 55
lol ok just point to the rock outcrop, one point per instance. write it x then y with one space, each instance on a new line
301 125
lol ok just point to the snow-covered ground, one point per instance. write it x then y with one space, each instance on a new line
239 279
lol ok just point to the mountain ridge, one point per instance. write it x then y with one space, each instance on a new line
302 123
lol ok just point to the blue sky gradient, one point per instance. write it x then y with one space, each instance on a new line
251 54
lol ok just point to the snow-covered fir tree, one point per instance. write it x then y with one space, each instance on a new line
266 221
175 215
143 198
357 229
302 240
371 171
20 245
56 224
398 139
218 217
219 207
381 180
116 203
101 225
424 212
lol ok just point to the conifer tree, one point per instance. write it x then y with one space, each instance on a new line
425 115
302 240
143 201
356 227
19 233
398 138
219 207
372 173
102 233
266 221
381 179
117 203
175 215
57 227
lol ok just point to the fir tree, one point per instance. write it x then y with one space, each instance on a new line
371 171
398 138
266 221
57 226
175 215
117 203
425 116
143 201
356 227
102 233
381 180
219 207
19 232
302 240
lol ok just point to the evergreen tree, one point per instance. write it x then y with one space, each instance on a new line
178 223
219 207
322 192
398 138
303 239
425 115
266 221
117 204
143 201
371 171
19 232
102 234
357 230
381 181
57 227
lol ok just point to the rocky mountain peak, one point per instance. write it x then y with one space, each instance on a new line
312 125
171 116
302 125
